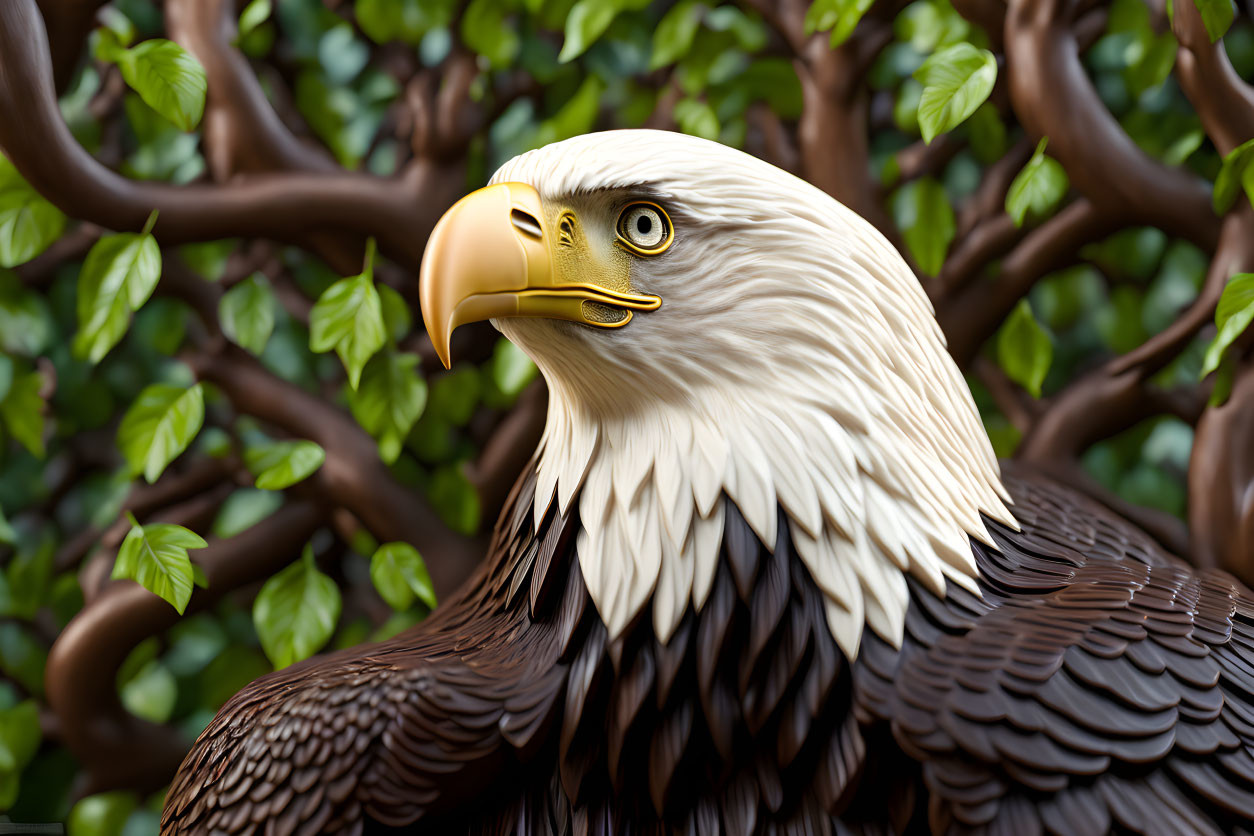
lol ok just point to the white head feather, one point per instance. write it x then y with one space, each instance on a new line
795 362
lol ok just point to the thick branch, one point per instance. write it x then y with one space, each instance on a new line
286 207
1222 100
115 748
1053 97
972 316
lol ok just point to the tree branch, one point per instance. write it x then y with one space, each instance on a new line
289 207
1053 97
117 749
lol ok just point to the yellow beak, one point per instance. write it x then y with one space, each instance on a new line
489 257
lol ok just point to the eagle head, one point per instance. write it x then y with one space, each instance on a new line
713 329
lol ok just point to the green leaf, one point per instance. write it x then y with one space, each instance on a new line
296 611
159 425
23 412
1038 188
839 16
384 21
485 30
389 400
155 556
28 223
7 534
987 133
120 273
243 509
169 80
349 318
6 375
1235 173
399 574
1024 349
928 223
282 464
254 14
1233 315
1217 16
30 575
955 81
19 735
151 693
587 21
454 499
396 313
675 32
512 369
247 313
697 118
103 814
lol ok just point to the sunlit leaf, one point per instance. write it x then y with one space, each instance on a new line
1024 349
254 14
956 81
156 557
159 425
296 611
28 223
1038 188
120 273
697 118
587 21
1217 16
247 311
399 574
168 78
675 32
348 317
840 17
1233 315
282 464
1235 173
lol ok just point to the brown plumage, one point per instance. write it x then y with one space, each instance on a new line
1100 684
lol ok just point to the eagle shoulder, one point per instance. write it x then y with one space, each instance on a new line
1099 682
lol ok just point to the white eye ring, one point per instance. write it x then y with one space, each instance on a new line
645 228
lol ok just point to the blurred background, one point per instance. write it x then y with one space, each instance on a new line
211 382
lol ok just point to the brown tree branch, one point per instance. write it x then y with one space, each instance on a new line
970 317
115 748
1222 100
1053 97
286 207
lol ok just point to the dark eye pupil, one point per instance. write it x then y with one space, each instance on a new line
643 224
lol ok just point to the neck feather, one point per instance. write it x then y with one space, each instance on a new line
865 503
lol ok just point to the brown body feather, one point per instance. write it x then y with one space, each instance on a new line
1100 684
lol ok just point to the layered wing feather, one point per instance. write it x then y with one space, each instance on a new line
1098 683
411 727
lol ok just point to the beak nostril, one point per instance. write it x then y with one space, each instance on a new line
525 222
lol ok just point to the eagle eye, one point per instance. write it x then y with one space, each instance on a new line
644 228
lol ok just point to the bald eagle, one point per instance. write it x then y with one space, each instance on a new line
764 573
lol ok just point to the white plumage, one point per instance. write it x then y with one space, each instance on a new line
795 362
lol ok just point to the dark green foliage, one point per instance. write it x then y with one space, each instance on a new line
102 399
